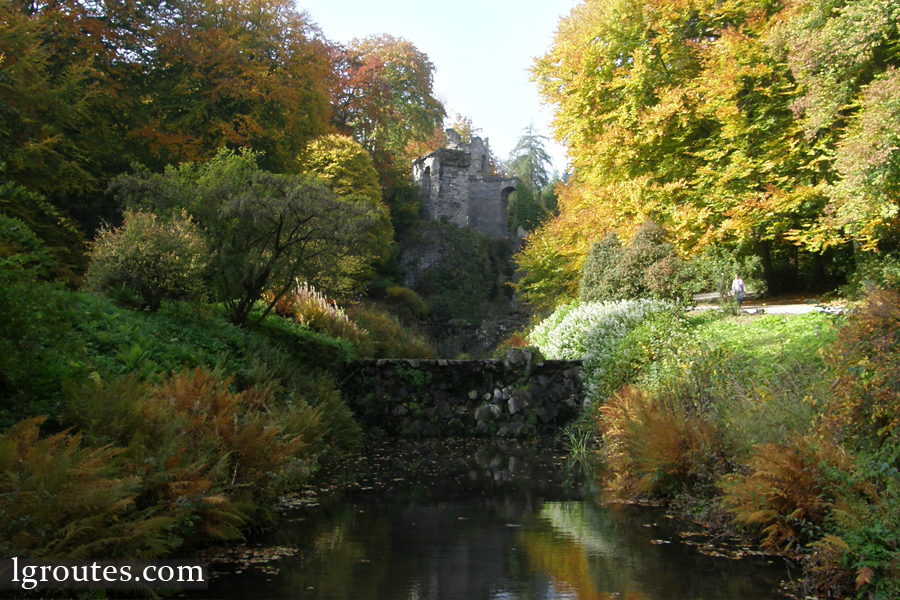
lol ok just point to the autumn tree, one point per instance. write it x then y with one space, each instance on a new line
69 91
732 124
347 169
385 101
236 74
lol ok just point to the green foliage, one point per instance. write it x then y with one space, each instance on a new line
743 382
386 337
647 266
872 271
864 410
408 298
38 348
61 237
469 275
524 210
405 205
716 266
157 258
264 230
22 253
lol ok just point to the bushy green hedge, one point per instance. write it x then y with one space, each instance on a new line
645 267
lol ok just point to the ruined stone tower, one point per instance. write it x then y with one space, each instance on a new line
456 184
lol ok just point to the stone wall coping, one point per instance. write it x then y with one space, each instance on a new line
444 362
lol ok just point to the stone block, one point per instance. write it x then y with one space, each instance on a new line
510 429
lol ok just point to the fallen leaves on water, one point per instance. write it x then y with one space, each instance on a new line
242 558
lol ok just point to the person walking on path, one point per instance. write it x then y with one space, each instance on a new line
737 289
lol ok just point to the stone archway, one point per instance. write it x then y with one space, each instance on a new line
504 202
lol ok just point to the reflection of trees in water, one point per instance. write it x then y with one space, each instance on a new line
596 551
481 522
562 542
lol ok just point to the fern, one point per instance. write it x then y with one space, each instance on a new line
60 500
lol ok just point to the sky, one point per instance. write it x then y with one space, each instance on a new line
481 50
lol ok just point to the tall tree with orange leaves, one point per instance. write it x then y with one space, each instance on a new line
722 121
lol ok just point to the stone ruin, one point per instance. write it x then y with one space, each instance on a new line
456 183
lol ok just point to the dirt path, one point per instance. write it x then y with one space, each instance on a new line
795 304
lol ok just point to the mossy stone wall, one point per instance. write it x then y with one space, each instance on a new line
514 397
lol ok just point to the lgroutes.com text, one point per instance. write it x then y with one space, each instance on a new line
27 574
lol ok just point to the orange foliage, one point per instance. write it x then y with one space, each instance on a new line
652 447
787 489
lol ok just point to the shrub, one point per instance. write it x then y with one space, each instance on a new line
873 271
607 331
673 279
563 335
59 499
386 337
408 298
653 339
595 284
647 266
157 258
864 409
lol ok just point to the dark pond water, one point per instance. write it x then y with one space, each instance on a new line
480 520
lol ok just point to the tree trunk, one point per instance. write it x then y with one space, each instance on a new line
763 249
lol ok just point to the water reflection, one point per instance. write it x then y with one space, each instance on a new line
472 521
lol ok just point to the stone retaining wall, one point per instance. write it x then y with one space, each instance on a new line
514 397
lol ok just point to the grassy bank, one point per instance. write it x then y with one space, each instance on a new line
125 433
780 428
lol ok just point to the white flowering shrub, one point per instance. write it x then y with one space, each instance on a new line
603 338
566 333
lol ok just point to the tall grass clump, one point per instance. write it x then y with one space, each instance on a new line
311 308
565 333
653 447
